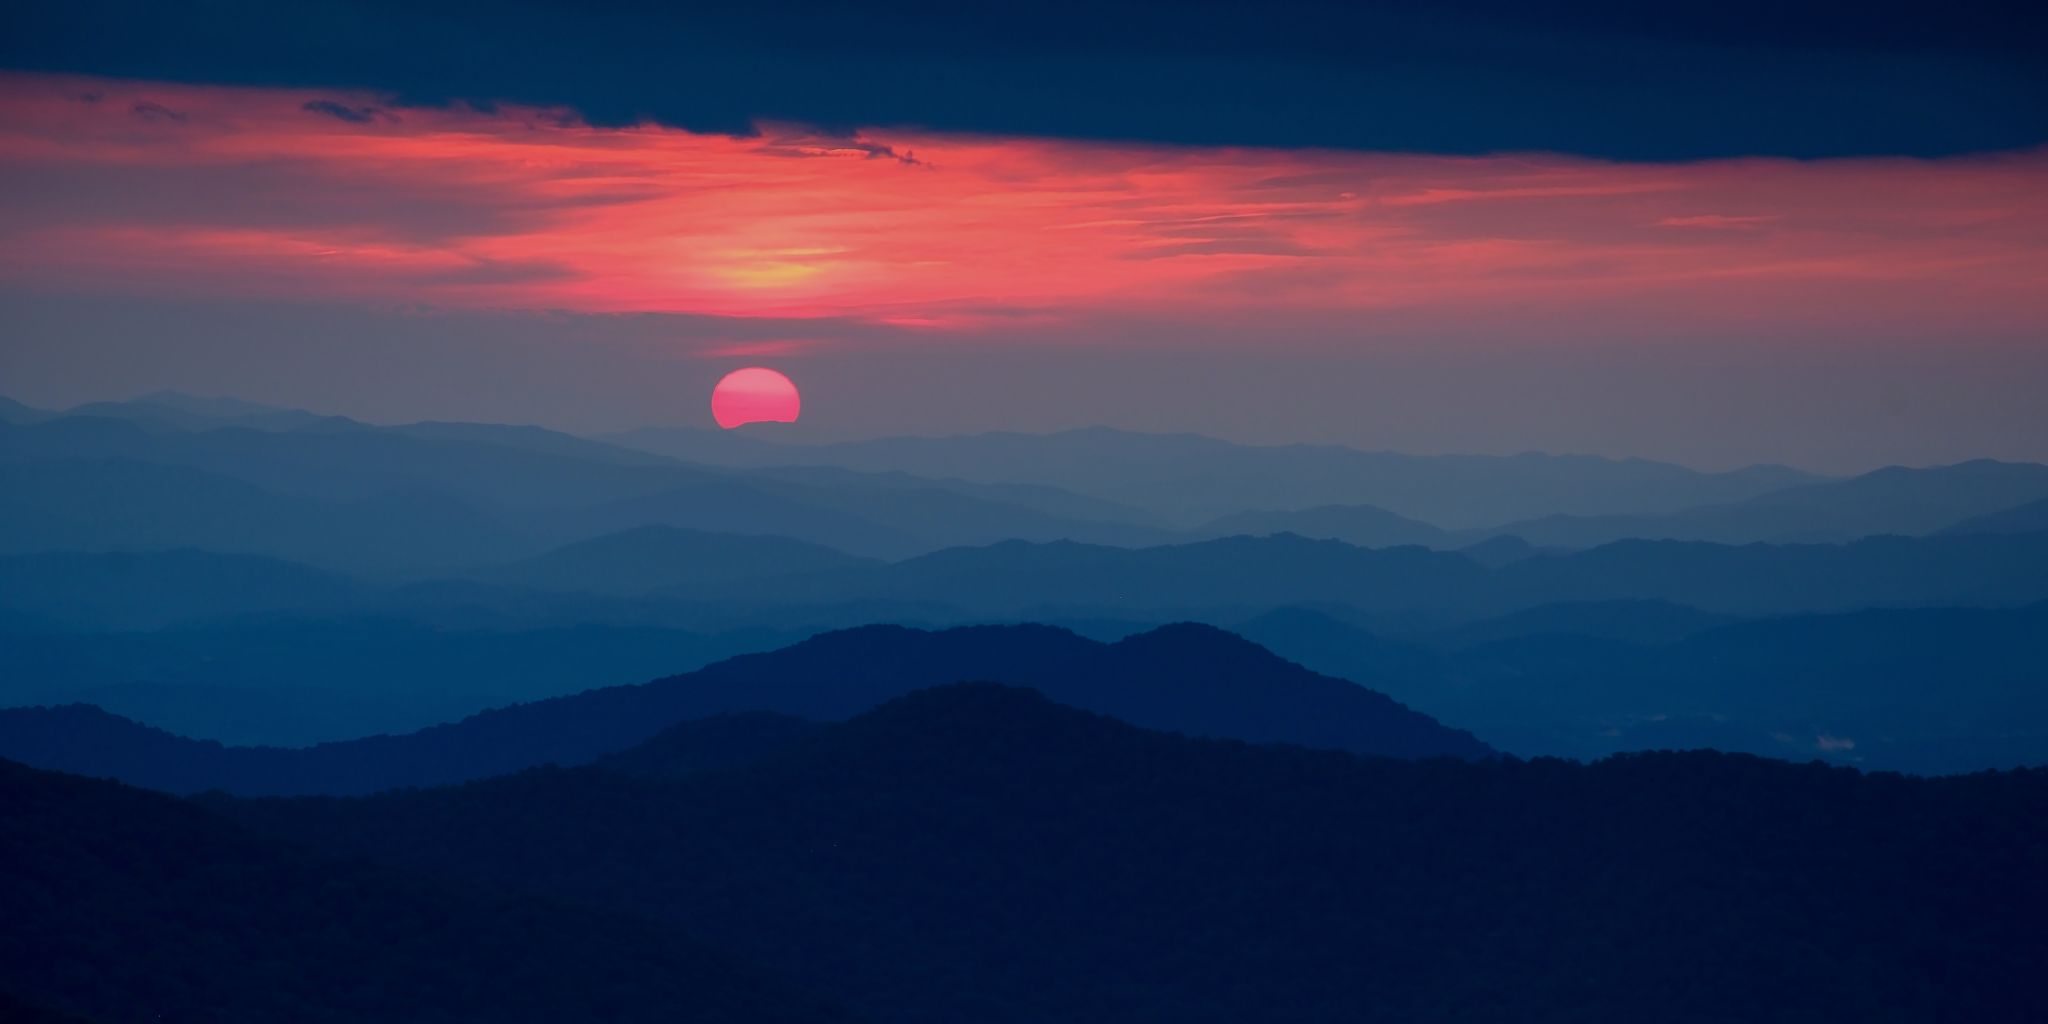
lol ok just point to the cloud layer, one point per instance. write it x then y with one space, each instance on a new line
153 188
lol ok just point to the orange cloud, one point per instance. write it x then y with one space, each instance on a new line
137 186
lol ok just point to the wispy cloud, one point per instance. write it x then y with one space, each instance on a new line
234 191
1716 221
780 347
363 114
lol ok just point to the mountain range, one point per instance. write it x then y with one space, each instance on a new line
1189 479
438 499
982 853
123 905
1187 678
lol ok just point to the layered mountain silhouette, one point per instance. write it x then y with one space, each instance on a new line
1365 526
1187 678
1021 579
301 679
721 741
130 906
651 558
981 853
1891 501
2031 517
434 497
146 590
1192 479
1928 690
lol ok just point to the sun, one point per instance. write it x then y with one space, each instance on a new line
755 394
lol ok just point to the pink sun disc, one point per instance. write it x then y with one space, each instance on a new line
755 395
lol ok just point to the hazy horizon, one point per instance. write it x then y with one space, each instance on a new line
379 410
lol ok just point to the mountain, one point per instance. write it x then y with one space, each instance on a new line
1891 501
981 853
1241 575
1325 643
17 1011
182 411
1365 526
1925 690
1051 501
1192 479
1499 550
650 558
146 590
1776 579
2031 517
1630 621
307 678
1015 578
103 504
12 411
708 744
428 498
1192 679
130 906
536 440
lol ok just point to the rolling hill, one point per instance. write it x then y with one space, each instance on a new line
1192 679
981 853
130 906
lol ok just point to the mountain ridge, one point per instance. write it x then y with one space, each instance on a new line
1189 678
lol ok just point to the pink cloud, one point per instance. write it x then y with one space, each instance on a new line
270 192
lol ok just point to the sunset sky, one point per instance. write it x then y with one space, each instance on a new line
520 255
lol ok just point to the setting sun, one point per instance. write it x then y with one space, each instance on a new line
755 395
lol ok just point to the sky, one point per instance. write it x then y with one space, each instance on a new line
1710 237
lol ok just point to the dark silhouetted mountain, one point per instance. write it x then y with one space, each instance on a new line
1193 679
1362 525
707 744
978 853
1332 646
14 1010
2031 517
1192 479
1891 501
130 906
651 558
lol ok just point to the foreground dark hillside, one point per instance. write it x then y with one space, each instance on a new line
980 853
126 906
1186 678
